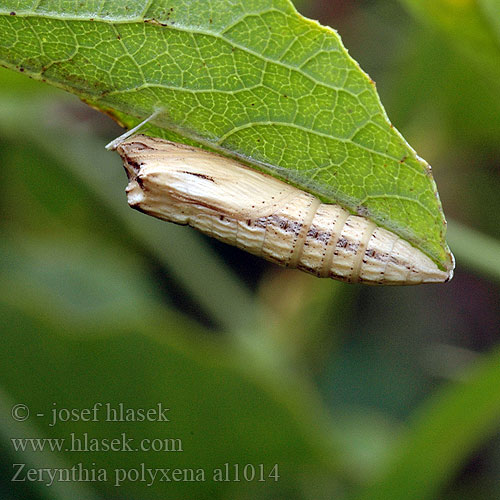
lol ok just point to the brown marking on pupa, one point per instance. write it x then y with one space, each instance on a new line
290 226
201 176
372 254
134 168
342 243
321 236
139 146
353 246
140 181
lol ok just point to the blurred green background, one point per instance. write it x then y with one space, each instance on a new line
353 391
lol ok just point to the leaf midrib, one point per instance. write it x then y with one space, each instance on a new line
192 30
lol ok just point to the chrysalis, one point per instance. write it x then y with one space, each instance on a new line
265 216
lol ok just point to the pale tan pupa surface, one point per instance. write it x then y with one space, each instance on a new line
266 217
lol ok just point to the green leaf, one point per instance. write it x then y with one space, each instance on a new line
223 409
252 79
491 10
472 26
476 250
446 430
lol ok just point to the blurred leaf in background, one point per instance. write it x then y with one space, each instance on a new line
356 392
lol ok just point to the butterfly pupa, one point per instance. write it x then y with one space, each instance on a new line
266 217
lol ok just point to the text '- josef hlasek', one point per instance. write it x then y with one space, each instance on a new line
108 412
